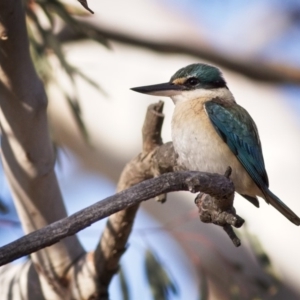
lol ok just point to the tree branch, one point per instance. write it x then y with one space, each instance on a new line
155 159
115 235
250 67
211 210
27 152
214 184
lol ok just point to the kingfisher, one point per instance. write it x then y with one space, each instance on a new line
210 132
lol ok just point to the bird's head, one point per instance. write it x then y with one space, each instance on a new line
188 83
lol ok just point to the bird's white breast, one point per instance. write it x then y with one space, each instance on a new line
200 148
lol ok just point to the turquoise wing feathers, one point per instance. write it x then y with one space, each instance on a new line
238 130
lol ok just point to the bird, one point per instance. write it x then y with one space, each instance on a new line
211 132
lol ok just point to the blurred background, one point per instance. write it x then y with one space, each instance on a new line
95 120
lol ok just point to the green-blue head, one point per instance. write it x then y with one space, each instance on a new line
191 77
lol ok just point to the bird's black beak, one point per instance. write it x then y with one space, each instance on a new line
167 89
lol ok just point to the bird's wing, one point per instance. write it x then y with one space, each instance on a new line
239 132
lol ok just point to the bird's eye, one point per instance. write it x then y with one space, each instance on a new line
192 81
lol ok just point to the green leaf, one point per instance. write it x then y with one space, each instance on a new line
59 9
47 13
160 282
92 32
75 108
90 81
44 40
265 262
3 208
88 31
75 10
124 285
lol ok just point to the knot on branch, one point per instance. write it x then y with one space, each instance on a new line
209 212
220 211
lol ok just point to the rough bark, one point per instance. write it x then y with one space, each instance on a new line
214 184
27 153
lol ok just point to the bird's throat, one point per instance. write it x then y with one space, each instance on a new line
203 95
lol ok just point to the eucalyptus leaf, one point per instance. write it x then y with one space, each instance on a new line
75 108
265 262
43 40
162 286
124 285
3 208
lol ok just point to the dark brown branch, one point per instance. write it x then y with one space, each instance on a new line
115 235
222 213
214 184
250 67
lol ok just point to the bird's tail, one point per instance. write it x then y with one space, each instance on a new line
281 207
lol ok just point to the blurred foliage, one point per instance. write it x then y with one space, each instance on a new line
265 263
124 285
226 277
160 282
44 20
85 5
3 208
